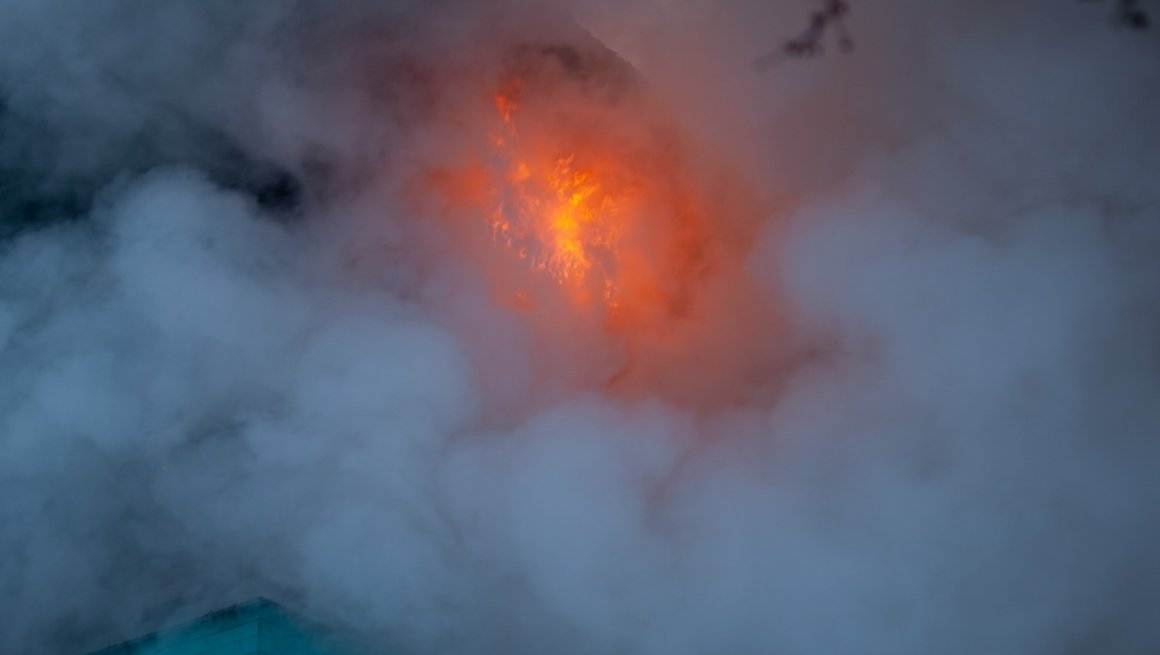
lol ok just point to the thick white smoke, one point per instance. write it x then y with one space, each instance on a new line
239 357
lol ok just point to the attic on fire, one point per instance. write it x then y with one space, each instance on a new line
585 183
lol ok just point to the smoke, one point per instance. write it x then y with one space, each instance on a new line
901 398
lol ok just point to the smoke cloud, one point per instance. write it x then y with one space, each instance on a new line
895 389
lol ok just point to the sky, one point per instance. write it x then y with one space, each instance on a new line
856 354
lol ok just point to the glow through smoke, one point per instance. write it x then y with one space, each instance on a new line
562 211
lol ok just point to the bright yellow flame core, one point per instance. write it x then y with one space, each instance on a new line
562 216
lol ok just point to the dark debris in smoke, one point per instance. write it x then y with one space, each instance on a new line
830 17
1131 14
826 20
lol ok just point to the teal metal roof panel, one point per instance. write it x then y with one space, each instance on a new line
258 627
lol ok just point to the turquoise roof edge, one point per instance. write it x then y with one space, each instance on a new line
242 629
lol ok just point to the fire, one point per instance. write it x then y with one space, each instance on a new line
579 198
590 213
564 211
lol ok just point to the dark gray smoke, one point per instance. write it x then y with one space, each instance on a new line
905 398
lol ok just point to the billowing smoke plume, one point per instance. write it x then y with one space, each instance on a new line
895 389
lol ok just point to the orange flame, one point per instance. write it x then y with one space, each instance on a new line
562 212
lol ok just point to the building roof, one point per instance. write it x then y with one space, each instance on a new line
256 627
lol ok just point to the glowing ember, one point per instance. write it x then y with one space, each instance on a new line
563 212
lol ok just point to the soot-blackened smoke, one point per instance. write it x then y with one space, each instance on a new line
903 398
